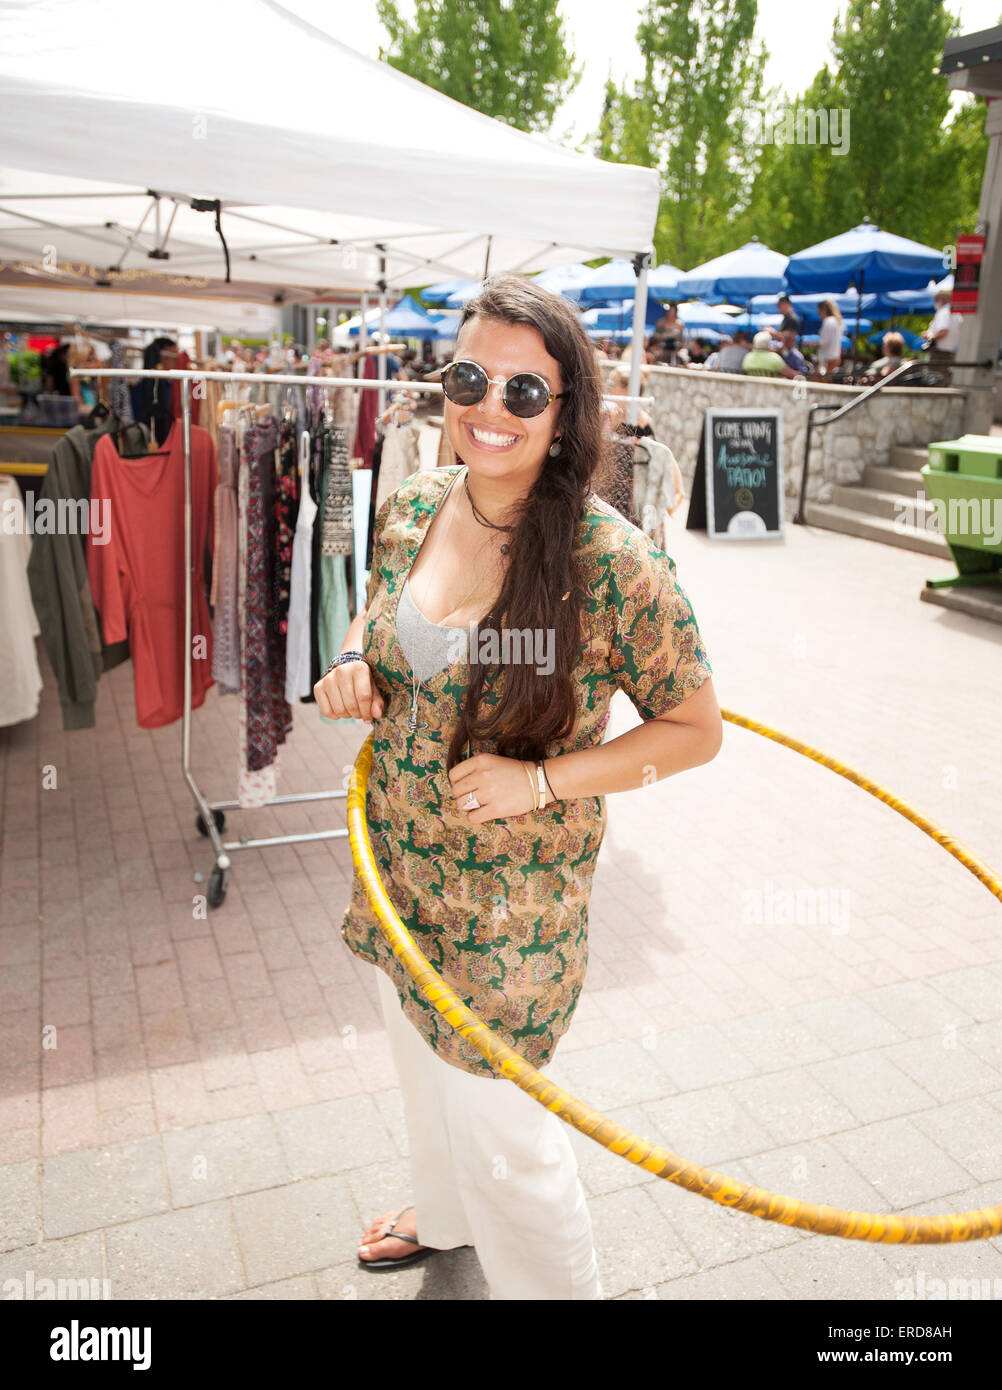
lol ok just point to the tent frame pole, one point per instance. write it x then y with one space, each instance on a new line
641 266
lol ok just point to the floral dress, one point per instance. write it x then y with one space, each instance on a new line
501 909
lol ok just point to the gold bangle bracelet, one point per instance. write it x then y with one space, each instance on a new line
532 784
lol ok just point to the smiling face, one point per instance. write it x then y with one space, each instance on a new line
486 436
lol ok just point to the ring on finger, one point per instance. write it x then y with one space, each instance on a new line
471 803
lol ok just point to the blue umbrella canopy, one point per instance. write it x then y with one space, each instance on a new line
907 302
438 294
468 289
614 281
619 315
567 280
739 275
663 282
865 256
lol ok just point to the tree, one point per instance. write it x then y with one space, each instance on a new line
688 118
906 168
504 58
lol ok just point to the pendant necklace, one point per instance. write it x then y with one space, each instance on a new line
411 722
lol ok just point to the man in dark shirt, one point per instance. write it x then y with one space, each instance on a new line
791 319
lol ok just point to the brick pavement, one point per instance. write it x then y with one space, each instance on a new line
219 1115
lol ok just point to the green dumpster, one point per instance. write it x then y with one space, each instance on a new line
963 480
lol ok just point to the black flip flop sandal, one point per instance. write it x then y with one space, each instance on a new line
398 1261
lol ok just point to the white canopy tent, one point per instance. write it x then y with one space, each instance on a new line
317 155
240 120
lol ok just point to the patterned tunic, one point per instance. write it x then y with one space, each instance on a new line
501 909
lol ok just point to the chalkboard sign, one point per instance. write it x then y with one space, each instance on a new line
741 461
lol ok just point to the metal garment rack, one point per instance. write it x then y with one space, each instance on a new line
211 819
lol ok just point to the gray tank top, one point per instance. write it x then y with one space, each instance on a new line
429 647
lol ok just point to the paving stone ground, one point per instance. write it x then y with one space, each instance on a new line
787 981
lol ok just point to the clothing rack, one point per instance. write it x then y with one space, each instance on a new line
211 819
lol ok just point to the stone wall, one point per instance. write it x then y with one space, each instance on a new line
898 415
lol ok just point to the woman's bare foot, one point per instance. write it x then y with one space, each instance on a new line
376 1247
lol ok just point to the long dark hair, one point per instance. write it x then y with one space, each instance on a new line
533 710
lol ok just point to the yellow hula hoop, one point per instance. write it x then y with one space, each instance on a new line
506 1062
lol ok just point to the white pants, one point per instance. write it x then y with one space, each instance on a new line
491 1168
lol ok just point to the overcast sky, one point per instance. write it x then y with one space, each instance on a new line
602 36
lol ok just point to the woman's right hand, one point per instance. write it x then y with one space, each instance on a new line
349 692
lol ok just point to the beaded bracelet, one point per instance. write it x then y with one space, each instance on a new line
345 656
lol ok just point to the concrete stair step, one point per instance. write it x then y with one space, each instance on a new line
850 522
906 456
903 480
878 502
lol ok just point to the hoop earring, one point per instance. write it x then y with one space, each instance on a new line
556 448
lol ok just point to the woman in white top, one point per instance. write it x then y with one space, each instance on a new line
830 344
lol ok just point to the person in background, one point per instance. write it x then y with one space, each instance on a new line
830 345
894 347
619 385
56 371
408 366
791 319
732 351
942 337
668 337
794 362
697 352
762 361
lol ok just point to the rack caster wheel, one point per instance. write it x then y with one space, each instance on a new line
218 816
217 887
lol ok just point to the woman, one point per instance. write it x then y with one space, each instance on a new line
830 343
486 796
668 337
894 355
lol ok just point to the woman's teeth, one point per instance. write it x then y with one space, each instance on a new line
496 441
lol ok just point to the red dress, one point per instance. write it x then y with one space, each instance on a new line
137 577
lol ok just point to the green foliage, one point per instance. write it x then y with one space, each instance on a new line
907 166
686 118
505 58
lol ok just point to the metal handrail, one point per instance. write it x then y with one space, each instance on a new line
907 369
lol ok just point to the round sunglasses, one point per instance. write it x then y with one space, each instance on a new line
525 394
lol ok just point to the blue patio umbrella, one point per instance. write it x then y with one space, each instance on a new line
698 316
663 283
908 302
468 290
619 315
567 280
614 281
438 294
865 255
737 276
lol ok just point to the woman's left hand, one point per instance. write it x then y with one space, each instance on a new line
499 784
